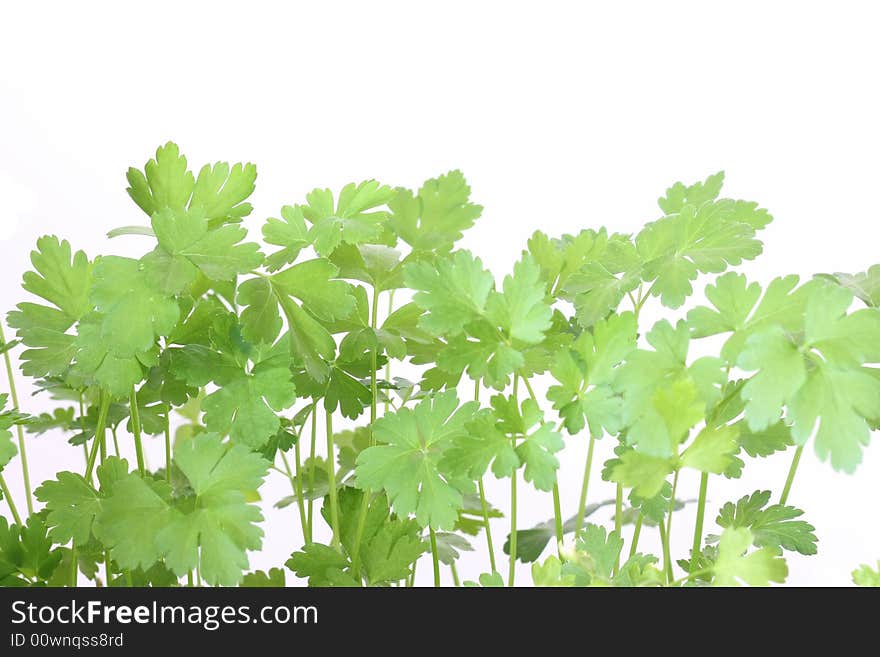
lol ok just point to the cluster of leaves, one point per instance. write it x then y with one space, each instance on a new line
245 346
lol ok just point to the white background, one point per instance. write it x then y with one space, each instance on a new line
562 115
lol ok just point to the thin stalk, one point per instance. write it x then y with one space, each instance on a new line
82 425
698 527
388 362
637 531
136 431
690 576
298 489
103 446
664 541
455 580
8 497
412 576
511 573
314 440
100 434
618 520
434 556
296 485
557 506
167 446
374 393
189 579
582 503
115 441
483 503
667 559
485 507
331 481
557 517
13 394
108 573
791 472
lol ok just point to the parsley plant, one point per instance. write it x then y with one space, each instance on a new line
239 357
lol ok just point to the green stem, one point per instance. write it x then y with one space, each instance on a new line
698 527
167 446
13 393
557 517
667 559
374 393
618 520
434 556
8 497
486 525
642 299
82 425
115 441
791 472
557 506
483 503
189 579
314 440
690 576
297 488
108 573
582 503
511 572
411 581
136 431
388 362
331 481
455 580
296 485
374 356
664 541
637 531
100 434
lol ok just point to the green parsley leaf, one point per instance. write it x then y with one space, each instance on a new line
290 232
133 313
663 396
246 407
699 234
322 565
404 464
262 579
585 374
434 219
166 183
357 217
188 246
818 376
453 291
771 526
757 568
26 553
63 279
866 576
864 285
738 311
